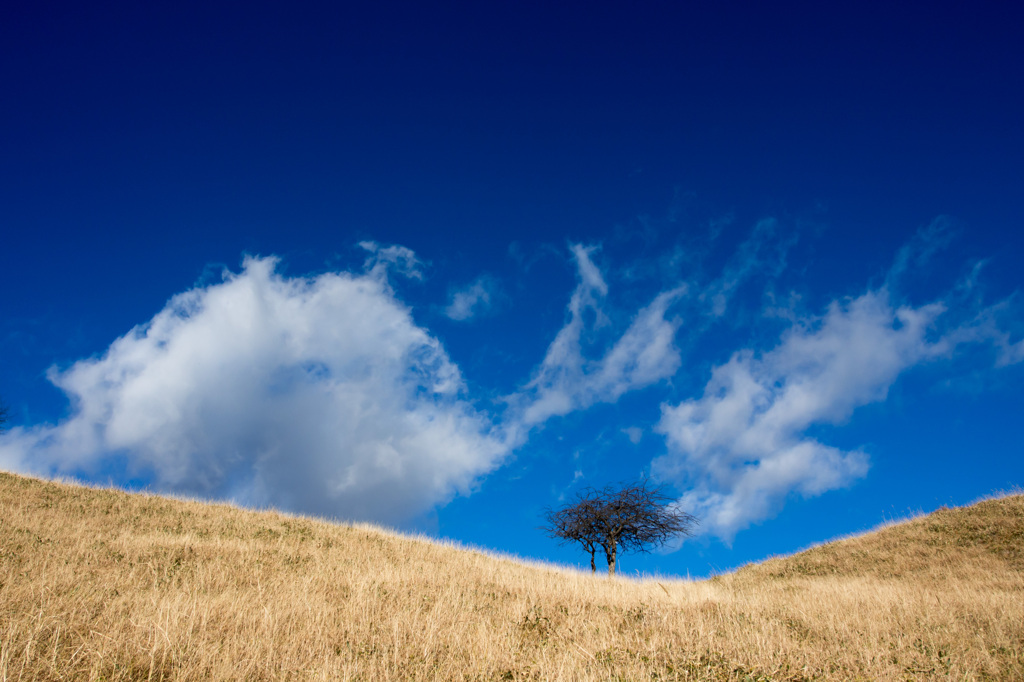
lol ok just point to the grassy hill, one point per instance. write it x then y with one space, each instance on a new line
100 584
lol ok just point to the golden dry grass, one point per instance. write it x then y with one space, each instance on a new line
100 584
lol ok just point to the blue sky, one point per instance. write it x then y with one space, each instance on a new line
443 267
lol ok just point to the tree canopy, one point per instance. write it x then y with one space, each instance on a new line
634 517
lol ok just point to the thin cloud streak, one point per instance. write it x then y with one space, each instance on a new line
763 254
567 381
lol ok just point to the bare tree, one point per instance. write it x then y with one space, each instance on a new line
626 518
576 523
5 415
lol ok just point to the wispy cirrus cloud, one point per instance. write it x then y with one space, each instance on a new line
761 254
317 394
922 248
567 380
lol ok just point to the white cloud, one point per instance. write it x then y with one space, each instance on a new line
742 447
474 299
314 394
398 258
567 381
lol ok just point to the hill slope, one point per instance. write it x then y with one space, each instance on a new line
100 584
987 537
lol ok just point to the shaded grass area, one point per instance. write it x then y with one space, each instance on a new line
101 584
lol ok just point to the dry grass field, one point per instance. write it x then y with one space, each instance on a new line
103 585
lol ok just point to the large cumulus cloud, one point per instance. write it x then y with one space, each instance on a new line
316 394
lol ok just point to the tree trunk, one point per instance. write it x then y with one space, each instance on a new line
611 558
593 564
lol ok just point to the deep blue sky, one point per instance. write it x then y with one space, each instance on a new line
782 158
